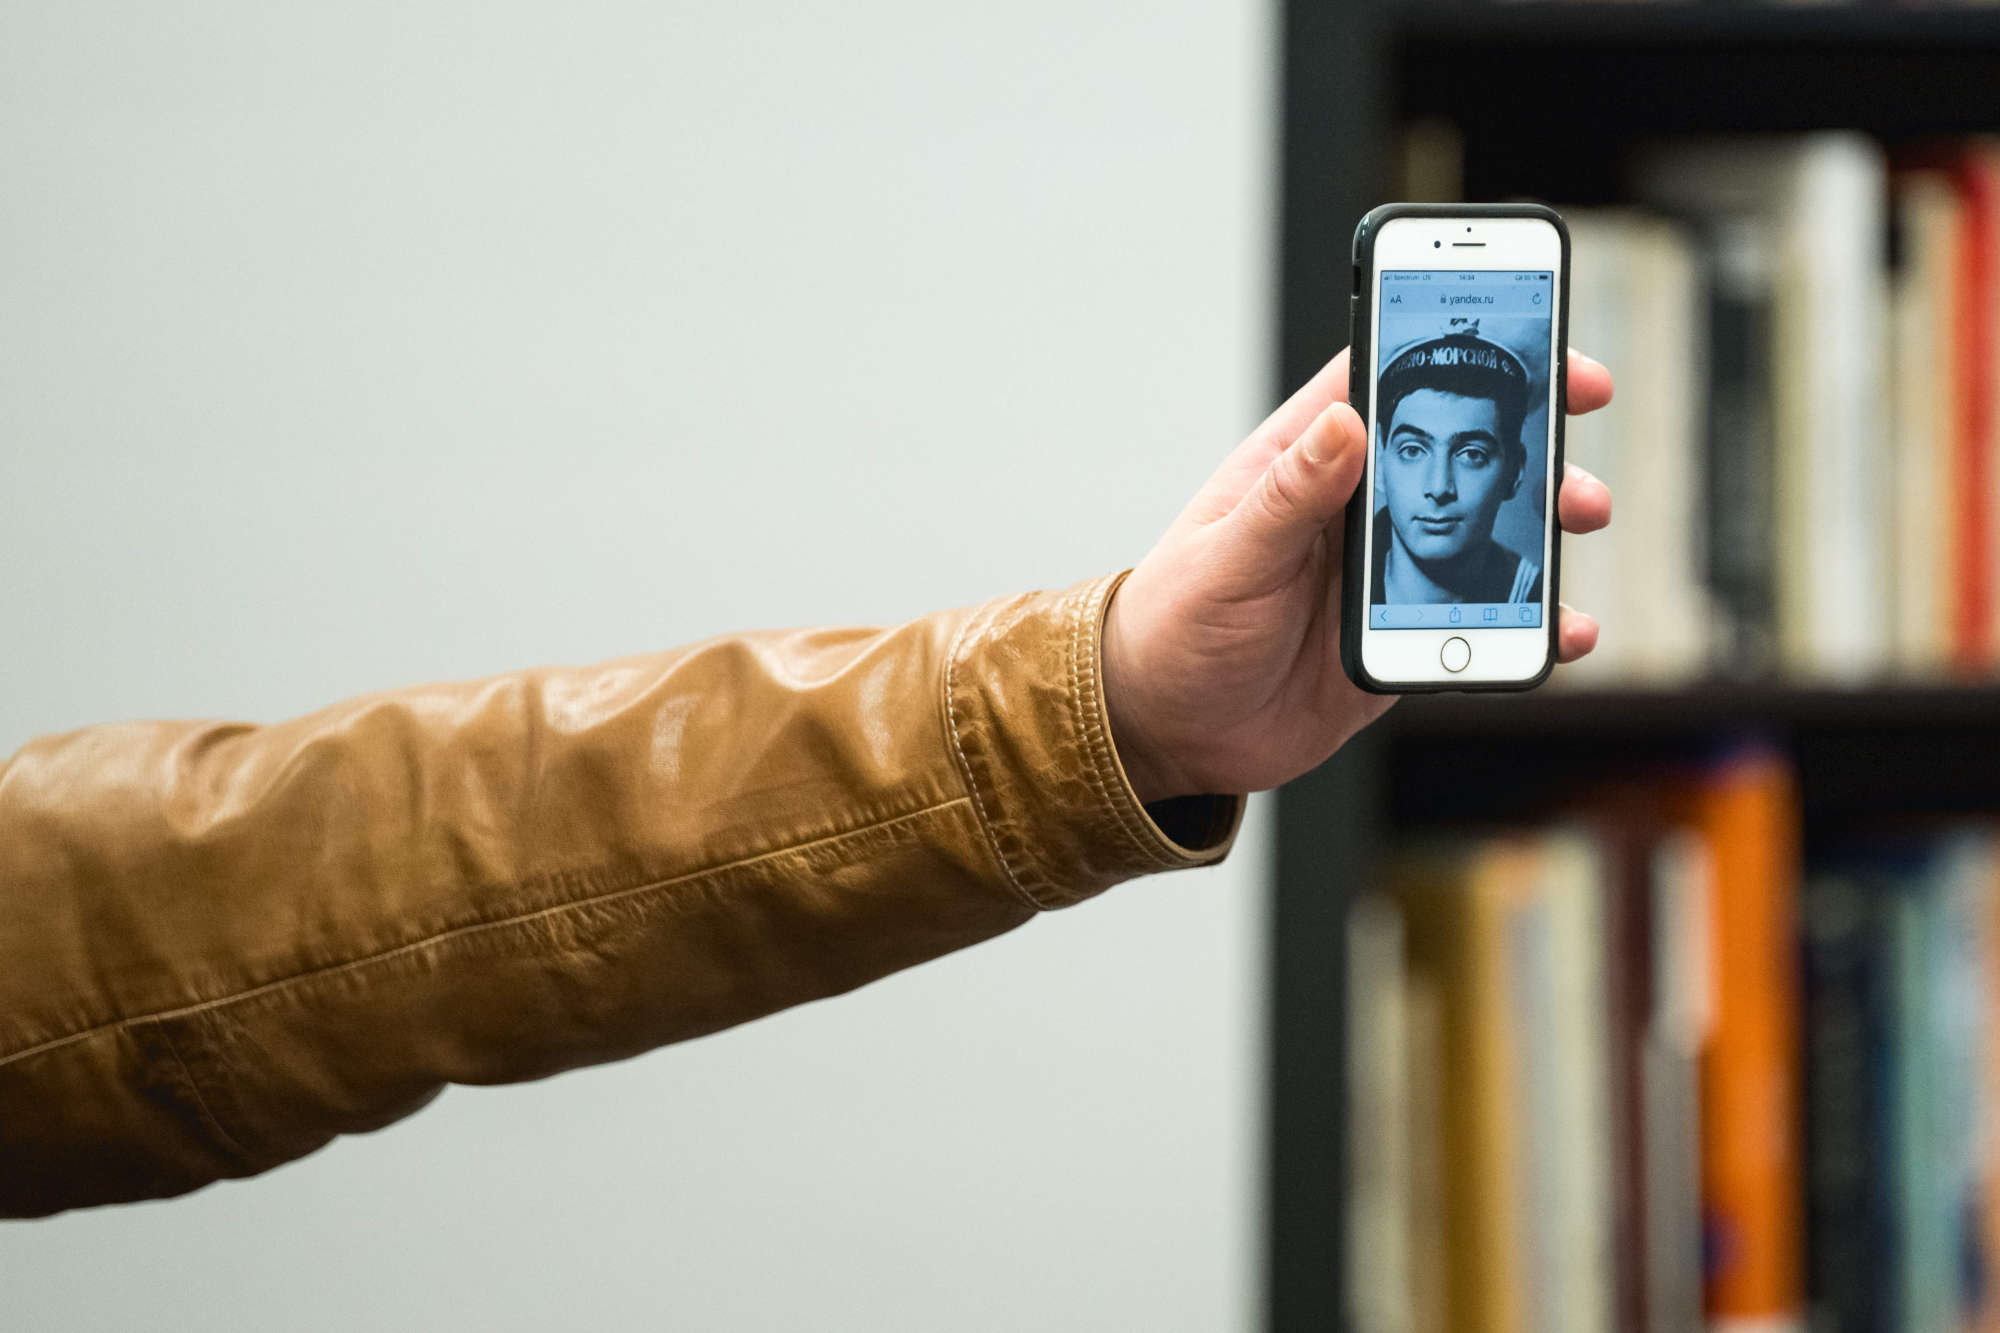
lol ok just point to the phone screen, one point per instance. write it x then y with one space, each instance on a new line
1461 437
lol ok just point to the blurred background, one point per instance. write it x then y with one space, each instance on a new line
384 344
1668 997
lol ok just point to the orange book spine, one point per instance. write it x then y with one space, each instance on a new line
1751 1166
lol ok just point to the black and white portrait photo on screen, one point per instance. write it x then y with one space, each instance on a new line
1461 434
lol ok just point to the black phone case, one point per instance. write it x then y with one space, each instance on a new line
1360 315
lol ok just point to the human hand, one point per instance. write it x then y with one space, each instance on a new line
1222 648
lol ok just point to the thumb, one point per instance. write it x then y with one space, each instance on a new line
1300 492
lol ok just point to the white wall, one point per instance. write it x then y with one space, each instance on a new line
355 345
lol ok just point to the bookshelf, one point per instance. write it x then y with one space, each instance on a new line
1547 98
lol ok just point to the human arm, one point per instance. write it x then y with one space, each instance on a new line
222 945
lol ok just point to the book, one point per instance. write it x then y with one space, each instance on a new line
1984 1227
1575 1152
1636 300
1627 827
1939 937
1923 383
1555 980
1680 885
1964 235
1744 809
1424 1084
1898 952
1816 204
1739 453
1849 976
1378 1120
1457 899
1636 1069
1976 370
1507 934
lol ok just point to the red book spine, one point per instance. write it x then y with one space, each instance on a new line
1973 316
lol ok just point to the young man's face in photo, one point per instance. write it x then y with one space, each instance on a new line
1446 472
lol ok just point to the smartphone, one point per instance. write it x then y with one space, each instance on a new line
1459 321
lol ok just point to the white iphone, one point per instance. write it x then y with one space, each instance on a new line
1460 317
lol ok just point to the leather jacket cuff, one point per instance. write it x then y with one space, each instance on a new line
1024 699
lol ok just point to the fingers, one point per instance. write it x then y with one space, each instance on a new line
1583 503
1303 489
1576 634
1589 385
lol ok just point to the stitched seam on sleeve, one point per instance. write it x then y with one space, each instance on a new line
1083 696
471 928
194 1085
965 764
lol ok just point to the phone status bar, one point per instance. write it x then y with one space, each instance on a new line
1490 292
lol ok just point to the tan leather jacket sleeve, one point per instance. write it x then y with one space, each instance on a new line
221 945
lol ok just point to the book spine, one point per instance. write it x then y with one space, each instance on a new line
1379 1179
1740 453
1849 1227
1973 429
1578 868
1750 1168
1682 882
1919 444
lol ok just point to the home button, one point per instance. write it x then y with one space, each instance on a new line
1457 652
